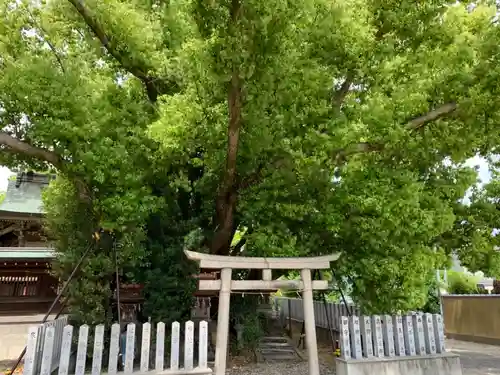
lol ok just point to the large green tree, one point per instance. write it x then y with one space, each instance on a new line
474 237
312 126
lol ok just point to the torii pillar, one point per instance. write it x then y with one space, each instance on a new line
225 285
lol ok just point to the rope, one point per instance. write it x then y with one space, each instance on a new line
349 312
298 291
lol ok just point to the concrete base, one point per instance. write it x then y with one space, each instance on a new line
442 364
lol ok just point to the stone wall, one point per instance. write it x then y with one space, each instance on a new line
14 334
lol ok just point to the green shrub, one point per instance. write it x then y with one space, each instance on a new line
244 313
253 331
432 304
462 283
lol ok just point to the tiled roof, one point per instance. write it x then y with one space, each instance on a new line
9 253
24 194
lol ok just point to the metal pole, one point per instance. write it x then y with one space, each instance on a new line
65 286
342 295
438 278
328 320
118 309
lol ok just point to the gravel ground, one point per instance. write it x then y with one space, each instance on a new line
278 368
476 359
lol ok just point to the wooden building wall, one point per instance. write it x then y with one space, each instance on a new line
472 318
26 288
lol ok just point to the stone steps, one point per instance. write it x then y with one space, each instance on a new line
274 344
277 348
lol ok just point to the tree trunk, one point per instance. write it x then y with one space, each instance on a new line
227 196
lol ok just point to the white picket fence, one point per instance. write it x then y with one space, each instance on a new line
293 308
391 336
57 350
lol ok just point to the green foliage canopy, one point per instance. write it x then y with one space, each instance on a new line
318 126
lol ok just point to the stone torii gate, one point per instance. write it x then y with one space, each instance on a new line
226 284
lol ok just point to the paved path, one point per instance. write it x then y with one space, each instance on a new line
476 359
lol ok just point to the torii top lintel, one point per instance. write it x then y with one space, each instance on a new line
210 261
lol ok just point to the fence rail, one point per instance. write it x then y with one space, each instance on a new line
391 336
53 346
293 308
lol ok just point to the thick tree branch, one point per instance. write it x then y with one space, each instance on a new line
56 54
363 147
258 175
138 70
46 40
339 95
340 155
23 148
435 114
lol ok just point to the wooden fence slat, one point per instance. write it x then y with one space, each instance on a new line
146 342
188 346
337 316
317 314
331 314
203 345
160 346
31 346
326 317
98 348
114 349
130 348
319 308
81 353
65 350
48 350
